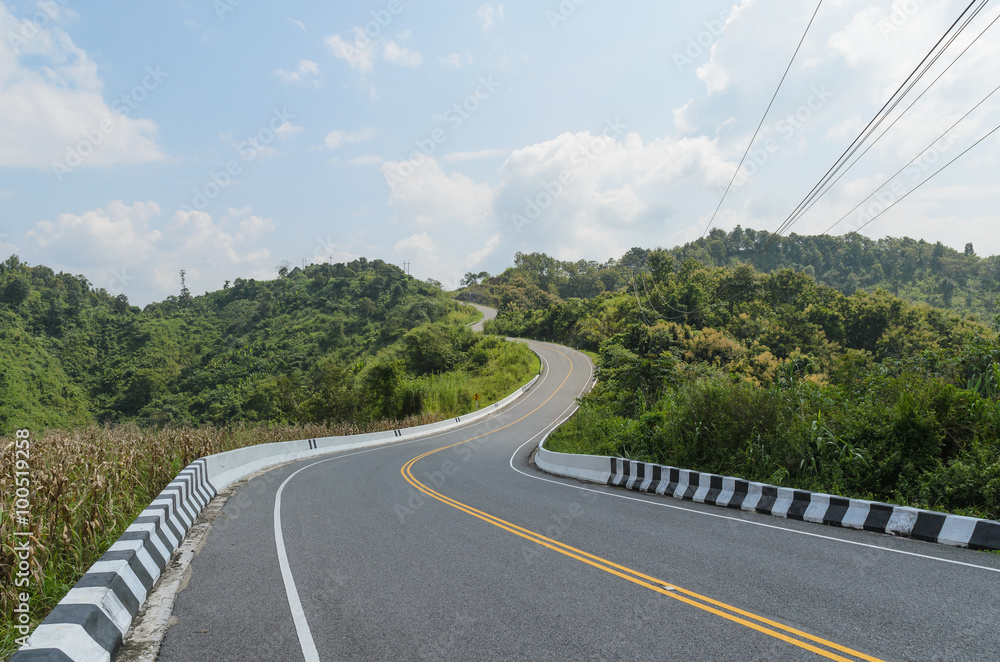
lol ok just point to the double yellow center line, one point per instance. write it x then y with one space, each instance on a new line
817 645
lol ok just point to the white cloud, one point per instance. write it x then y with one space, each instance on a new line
476 257
430 196
335 139
583 193
286 130
472 156
306 71
255 225
234 213
713 73
297 23
52 105
683 121
359 53
128 249
456 60
588 194
402 56
489 16
421 242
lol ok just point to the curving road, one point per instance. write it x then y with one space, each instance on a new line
453 548
488 314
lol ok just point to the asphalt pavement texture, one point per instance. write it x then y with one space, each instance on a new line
386 570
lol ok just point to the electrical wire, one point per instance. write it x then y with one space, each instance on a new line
900 116
766 111
873 124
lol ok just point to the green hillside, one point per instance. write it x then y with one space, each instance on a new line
774 376
914 270
332 343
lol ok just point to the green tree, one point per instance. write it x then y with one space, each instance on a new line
16 291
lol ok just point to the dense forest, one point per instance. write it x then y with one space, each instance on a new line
777 376
330 343
914 270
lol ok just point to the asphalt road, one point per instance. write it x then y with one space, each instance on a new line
453 548
488 314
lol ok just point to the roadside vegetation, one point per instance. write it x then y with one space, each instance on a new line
777 378
255 352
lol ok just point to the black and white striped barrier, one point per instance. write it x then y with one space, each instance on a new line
727 492
90 623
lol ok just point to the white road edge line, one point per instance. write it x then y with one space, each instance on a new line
298 615
294 603
717 515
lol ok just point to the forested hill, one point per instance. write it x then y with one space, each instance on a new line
914 270
773 377
254 351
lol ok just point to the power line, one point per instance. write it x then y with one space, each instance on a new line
833 183
936 173
910 162
890 105
915 188
766 111
873 124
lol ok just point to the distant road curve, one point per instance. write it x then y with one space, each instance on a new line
488 314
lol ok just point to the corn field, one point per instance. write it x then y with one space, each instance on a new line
88 485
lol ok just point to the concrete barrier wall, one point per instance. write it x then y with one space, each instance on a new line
729 492
226 468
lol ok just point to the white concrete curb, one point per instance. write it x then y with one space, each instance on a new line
729 492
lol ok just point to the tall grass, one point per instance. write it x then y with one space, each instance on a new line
503 369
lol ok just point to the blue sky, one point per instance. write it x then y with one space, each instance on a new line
226 138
